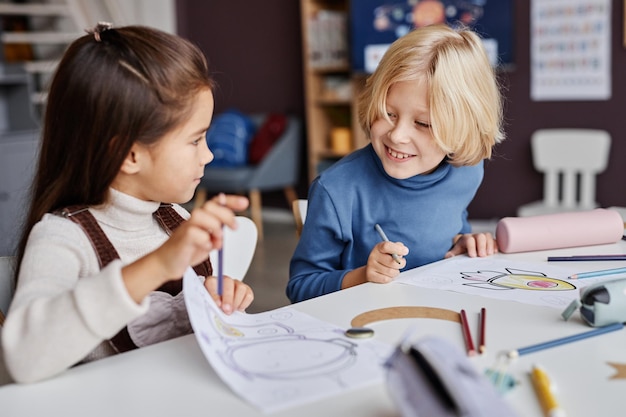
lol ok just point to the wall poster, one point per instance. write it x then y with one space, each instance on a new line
375 24
570 50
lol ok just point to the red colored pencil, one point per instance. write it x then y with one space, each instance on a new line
467 334
481 334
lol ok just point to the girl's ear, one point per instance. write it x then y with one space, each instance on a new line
131 164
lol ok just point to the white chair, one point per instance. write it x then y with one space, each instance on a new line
238 250
7 284
570 159
299 207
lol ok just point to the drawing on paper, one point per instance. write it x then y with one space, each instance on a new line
282 357
273 350
534 282
516 279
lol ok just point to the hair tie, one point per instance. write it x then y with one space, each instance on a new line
98 29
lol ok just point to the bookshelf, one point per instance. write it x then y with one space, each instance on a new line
330 86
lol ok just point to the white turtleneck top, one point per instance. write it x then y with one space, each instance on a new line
65 308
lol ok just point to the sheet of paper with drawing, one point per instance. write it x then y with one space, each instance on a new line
527 282
280 358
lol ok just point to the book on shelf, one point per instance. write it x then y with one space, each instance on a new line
328 39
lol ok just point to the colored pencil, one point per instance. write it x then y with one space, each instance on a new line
384 237
584 258
557 342
600 273
481 335
220 270
467 335
545 390
220 254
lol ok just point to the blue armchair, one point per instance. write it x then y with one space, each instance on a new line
279 169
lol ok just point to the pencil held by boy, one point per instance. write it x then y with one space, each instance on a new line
106 242
433 112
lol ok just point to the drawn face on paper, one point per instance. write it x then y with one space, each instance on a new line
517 279
291 357
272 350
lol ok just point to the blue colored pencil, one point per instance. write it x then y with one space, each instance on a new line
220 270
221 199
600 273
545 345
586 258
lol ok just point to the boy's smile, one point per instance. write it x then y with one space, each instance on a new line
405 146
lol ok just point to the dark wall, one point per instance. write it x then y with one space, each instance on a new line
255 47
510 180
254 50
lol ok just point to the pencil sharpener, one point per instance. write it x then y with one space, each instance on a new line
601 304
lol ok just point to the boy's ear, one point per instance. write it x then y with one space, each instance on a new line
131 165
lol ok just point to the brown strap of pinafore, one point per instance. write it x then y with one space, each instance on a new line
168 219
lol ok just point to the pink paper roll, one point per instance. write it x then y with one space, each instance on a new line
561 230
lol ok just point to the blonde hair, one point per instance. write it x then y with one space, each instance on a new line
464 96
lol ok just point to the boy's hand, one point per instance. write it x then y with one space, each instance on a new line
381 266
474 244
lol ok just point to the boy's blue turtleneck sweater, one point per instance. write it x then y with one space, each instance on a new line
425 212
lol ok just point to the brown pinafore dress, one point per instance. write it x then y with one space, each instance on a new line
169 220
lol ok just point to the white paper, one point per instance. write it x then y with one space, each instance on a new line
527 282
280 358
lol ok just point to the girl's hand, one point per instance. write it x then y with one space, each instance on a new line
236 296
381 266
192 241
474 244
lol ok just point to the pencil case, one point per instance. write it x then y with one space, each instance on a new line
600 304
431 377
559 230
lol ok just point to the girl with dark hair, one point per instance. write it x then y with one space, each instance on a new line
105 241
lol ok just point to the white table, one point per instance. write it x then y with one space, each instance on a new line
174 379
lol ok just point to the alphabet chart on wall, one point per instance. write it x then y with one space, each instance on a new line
570 49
